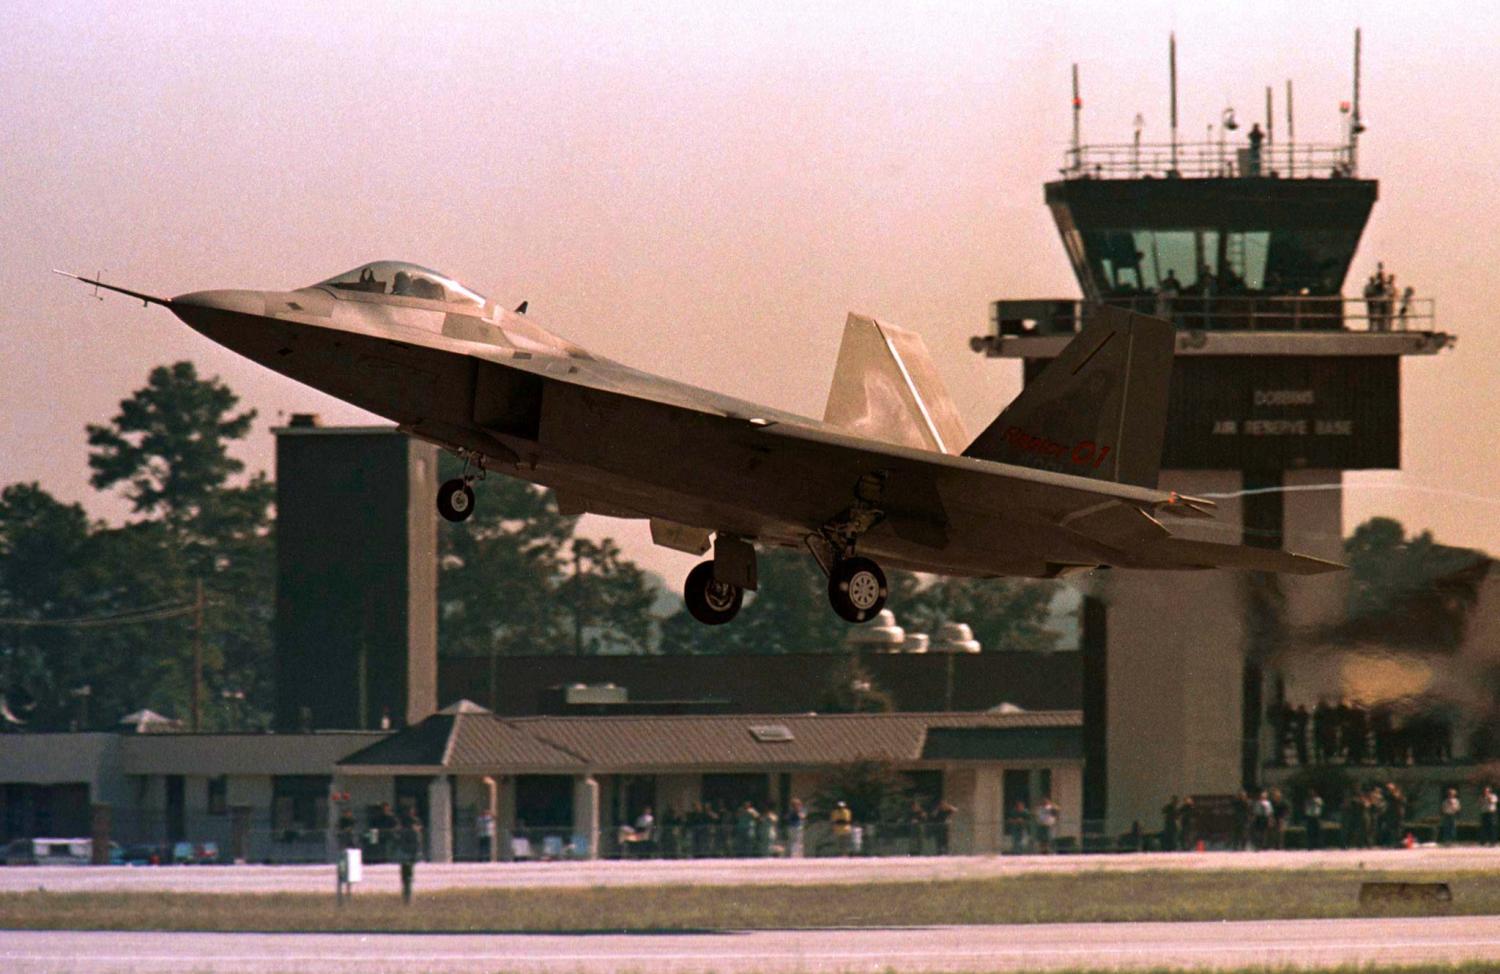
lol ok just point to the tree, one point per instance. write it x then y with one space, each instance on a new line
169 444
851 689
1005 614
168 449
44 546
497 570
515 579
1385 565
1405 591
874 791
608 597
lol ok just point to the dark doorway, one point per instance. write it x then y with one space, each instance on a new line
733 790
633 795
1016 787
411 795
544 801
176 808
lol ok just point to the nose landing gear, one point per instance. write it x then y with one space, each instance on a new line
455 499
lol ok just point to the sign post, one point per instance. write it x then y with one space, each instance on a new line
351 870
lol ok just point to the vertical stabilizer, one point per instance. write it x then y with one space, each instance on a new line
1098 410
886 388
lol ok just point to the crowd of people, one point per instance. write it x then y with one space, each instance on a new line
715 829
1372 816
1347 733
1384 303
1033 829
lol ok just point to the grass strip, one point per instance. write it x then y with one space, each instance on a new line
1043 898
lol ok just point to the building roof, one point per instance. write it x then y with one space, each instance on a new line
791 683
478 742
257 754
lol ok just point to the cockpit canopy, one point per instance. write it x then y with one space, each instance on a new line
401 279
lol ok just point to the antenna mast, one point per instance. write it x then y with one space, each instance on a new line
1291 132
1354 125
1077 112
1172 57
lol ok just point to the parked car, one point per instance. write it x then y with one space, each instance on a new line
144 855
189 853
57 852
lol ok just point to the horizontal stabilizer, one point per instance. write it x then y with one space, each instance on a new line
886 388
1116 524
1187 553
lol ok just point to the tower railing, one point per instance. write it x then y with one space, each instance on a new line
1209 160
1227 313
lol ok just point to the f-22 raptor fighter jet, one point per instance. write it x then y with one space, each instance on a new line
1064 480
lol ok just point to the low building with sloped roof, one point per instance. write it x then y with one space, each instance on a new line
579 785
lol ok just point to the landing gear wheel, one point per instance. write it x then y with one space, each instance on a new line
455 500
857 589
710 601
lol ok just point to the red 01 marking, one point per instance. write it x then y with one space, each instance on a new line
1087 453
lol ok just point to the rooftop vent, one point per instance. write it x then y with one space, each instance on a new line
881 635
599 693
771 733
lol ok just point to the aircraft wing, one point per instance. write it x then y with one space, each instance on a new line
1072 493
1061 516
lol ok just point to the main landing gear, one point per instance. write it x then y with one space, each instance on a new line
709 600
857 589
455 499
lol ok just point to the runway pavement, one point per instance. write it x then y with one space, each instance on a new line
1299 943
320 878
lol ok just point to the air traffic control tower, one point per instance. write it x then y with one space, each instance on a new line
1280 384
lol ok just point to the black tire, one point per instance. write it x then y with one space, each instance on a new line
711 602
857 589
455 501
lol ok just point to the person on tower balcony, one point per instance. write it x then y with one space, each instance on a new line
1252 162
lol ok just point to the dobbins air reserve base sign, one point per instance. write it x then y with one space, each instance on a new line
1284 413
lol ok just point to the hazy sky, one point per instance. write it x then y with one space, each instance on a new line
701 189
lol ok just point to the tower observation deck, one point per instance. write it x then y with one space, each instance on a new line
1280 383
1247 253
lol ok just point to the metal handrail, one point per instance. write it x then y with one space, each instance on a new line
1208 160
1227 313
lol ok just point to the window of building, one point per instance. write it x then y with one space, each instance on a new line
218 795
299 802
1218 262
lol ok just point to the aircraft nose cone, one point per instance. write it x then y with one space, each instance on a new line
235 302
